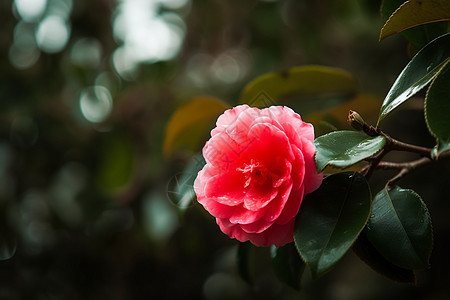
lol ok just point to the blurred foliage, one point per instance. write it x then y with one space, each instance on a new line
85 204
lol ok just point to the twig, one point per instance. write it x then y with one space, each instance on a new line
404 168
356 121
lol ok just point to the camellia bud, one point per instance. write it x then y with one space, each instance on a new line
355 120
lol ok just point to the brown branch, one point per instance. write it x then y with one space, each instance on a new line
394 144
356 121
404 167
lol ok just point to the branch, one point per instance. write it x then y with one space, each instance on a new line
404 168
357 122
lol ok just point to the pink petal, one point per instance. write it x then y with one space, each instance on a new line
241 215
276 206
292 206
278 235
267 141
312 179
256 227
257 197
225 188
298 167
216 209
221 151
228 118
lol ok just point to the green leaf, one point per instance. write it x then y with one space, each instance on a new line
416 12
367 253
420 35
345 148
437 109
181 186
330 219
190 122
400 228
245 261
287 264
322 84
424 66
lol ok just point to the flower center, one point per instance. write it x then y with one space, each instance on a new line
254 172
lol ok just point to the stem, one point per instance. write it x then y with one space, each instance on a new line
394 144
375 161
404 168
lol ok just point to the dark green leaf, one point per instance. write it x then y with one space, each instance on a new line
367 252
437 109
345 148
330 219
246 253
413 18
181 186
424 66
287 264
400 228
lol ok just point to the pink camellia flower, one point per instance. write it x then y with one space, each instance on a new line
259 166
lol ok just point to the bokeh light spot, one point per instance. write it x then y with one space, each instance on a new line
86 52
30 10
52 34
146 36
96 103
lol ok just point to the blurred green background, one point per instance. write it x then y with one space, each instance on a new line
86 195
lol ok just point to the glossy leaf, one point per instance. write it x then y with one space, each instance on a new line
330 219
304 81
345 148
181 186
369 254
287 264
437 109
245 260
424 66
416 12
418 36
190 122
400 228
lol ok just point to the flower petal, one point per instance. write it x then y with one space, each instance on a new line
276 206
312 179
292 206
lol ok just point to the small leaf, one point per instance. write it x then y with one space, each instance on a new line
305 81
287 264
345 148
245 260
181 186
424 66
437 109
400 228
195 116
367 253
416 12
330 219
420 35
